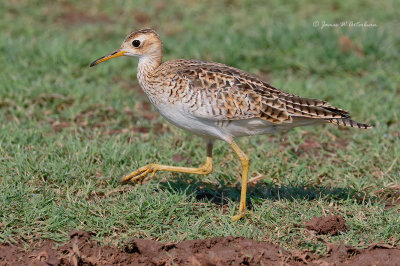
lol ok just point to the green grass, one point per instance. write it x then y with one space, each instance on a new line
69 133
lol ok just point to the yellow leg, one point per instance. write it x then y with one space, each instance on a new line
153 168
245 169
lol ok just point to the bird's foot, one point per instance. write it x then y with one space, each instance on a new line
240 215
141 173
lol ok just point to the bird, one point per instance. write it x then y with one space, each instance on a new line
217 102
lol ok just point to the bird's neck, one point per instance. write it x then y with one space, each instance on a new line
147 65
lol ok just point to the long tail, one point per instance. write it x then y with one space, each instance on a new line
347 122
320 110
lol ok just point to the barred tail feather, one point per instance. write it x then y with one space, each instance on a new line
347 123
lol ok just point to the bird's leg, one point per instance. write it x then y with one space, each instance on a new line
153 168
245 168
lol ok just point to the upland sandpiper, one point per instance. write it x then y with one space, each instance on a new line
217 102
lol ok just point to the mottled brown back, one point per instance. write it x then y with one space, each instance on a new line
217 91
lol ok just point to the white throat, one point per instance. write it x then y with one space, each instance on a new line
147 64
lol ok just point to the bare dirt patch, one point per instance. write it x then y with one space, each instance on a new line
213 251
72 16
347 46
373 255
390 195
311 146
81 250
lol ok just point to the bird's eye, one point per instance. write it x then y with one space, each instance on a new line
136 43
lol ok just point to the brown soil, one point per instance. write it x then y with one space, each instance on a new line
80 250
332 224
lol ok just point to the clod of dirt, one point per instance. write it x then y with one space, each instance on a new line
47 255
332 224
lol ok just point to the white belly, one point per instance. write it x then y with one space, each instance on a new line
224 130
188 122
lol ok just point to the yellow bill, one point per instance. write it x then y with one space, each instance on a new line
114 54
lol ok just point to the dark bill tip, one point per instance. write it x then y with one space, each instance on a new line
94 63
97 61
107 57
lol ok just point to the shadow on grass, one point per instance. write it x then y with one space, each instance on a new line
221 193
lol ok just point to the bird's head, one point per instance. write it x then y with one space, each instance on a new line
142 43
